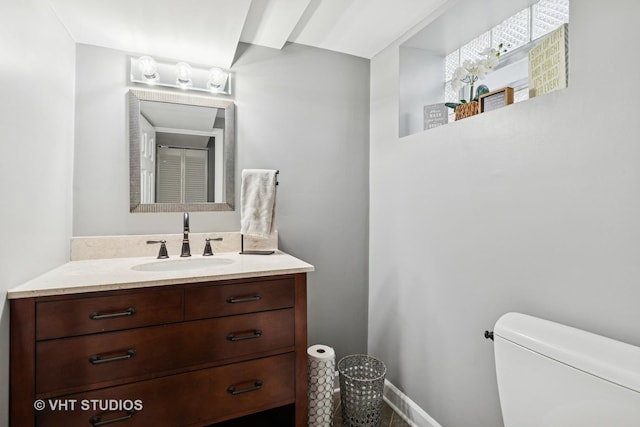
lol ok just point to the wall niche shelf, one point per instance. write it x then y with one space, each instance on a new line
466 28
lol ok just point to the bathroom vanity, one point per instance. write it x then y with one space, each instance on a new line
142 342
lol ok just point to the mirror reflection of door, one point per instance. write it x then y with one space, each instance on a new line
147 162
182 175
181 159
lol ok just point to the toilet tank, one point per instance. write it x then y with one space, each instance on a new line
551 375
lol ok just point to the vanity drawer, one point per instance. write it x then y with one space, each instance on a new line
194 399
223 300
131 355
78 316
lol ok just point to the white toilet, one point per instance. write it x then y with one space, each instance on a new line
551 375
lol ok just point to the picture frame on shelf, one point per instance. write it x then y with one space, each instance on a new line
435 115
548 63
495 99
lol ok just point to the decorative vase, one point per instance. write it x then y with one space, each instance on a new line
466 110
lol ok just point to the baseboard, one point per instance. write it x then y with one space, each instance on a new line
407 408
400 402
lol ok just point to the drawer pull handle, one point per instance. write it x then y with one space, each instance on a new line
96 420
256 386
98 316
96 360
235 300
253 335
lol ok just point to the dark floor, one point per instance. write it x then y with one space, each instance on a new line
389 417
281 417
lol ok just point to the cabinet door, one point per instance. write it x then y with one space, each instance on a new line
91 314
197 398
225 300
126 356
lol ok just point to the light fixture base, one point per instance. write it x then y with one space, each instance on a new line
182 75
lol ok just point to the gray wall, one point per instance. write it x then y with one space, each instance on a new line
305 111
302 110
36 136
532 208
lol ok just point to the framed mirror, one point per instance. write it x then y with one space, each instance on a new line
181 152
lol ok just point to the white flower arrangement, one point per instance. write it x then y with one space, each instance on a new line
472 71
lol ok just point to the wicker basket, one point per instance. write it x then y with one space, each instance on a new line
466 110
361 388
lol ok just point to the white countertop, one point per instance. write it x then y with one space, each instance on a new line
118 273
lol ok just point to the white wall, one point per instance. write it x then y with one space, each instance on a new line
420 84
36 137
302 110
533 208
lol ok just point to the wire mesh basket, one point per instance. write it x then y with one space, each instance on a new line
361 388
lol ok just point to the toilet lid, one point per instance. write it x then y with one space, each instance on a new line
603 357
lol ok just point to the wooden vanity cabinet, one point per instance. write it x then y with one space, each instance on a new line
176 355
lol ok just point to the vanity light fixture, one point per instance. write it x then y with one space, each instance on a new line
217 78
183 75
180 75
149 69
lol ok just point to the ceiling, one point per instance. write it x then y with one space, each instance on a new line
180 125
179 116
207 32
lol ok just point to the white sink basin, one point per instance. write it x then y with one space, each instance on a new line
182 264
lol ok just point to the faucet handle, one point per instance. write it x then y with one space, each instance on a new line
207 246
162 254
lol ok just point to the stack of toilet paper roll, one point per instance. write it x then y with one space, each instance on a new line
322 361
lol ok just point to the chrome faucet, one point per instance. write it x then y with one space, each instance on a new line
186 249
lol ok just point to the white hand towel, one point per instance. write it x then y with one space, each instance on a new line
257 202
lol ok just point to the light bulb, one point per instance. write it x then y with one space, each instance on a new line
183 75
217 79
148 68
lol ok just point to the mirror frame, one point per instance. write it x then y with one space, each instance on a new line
135 205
